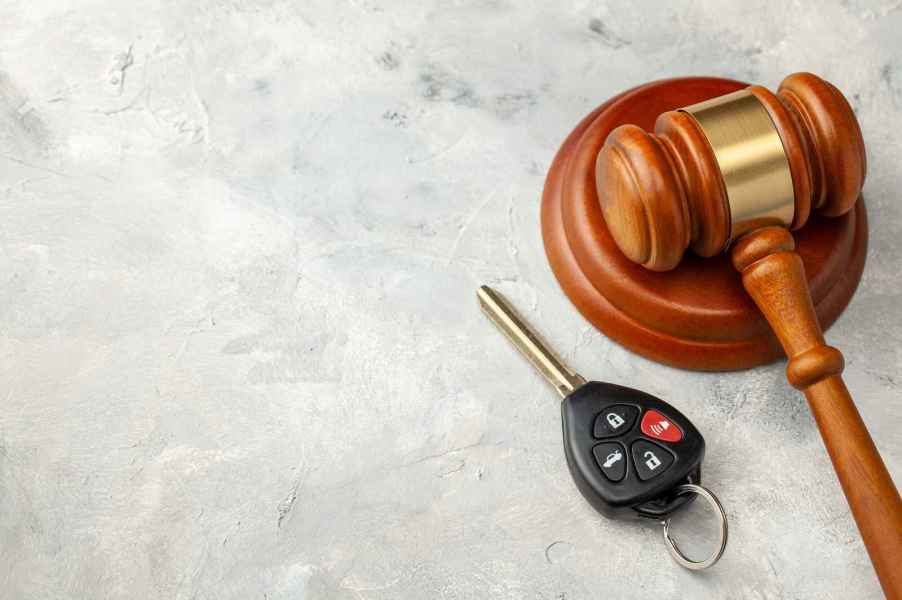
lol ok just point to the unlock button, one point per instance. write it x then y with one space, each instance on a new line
650 459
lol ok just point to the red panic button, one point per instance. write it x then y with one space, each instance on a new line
657 426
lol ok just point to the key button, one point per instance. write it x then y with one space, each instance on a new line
614 420
650 459
611 459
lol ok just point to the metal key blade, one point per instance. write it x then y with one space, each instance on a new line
528 341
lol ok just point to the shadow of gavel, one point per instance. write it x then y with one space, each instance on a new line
735 174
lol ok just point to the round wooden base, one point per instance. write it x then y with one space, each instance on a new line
697 316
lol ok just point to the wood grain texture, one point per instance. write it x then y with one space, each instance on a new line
697 316
662 192
774 277
833 145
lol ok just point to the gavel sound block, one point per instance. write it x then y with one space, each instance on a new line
727 172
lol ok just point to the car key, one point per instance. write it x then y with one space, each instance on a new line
631 454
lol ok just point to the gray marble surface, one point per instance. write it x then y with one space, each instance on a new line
240 355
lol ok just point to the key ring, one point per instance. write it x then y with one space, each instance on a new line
674 549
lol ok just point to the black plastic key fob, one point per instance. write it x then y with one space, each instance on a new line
627 450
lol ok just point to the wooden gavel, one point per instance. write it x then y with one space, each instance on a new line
736 173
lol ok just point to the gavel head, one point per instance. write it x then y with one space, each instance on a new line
714 171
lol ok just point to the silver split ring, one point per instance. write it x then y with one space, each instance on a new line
674 549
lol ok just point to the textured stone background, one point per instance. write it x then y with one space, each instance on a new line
240 355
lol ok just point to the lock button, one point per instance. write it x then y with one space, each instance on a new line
614 420
650 459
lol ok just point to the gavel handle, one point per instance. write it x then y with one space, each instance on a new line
774 277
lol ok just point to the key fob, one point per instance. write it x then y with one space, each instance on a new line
627 449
